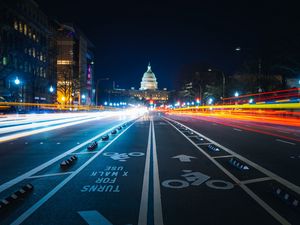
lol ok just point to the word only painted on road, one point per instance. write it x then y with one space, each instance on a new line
195 178
106 180
122 157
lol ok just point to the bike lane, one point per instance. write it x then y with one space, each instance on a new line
107 191
194 190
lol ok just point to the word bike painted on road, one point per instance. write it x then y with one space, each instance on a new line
106 180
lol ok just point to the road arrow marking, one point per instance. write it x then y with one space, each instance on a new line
184 158
93 217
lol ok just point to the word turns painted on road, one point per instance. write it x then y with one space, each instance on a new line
194 178
122 157
106 180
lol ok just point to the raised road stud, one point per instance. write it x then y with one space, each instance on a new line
124 125
119 128
235 163
15 196
213 148
105 137
93 146
114 132
286 197
66 163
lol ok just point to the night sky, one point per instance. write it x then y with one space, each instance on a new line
127 34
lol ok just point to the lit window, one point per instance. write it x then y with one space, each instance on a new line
64 62
29 51
29 32
33 36
41 57
20 27
16 25
25 29
4 61
33 52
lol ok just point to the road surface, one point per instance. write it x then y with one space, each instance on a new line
153 169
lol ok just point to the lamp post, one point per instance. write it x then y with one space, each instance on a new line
97 84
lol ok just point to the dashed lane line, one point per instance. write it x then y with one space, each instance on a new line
286 142
32 209
236 129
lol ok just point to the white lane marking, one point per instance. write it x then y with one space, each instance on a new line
158 217
203 143
145 191
93 217
33 208
256 180
82 153
58 143
286 142
221 156
41 143
274 176
255 197
18 179
285 132
49 175
236 129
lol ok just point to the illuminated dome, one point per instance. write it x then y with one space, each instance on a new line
149 80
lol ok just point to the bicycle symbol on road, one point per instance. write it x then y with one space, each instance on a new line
122 157
196 179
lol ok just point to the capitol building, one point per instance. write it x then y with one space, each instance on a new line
147 91
149 80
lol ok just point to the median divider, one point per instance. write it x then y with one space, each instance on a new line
213 148
237 164
92 146
66 163
8 201
285 196
105 137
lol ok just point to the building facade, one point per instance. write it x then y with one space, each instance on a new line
27 53
75 67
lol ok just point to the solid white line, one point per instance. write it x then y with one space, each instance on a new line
203 143
158 217
145 191
237 129
82 153
93 217
263 204
49 175
256 180
18 179
286 142
32 209
221 156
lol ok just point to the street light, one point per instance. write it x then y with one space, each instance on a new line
17 81
83 96
51 89
236 94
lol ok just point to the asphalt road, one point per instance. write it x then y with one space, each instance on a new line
155 169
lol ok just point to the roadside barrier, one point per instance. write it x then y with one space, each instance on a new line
235 163
105 137
68 162
15 196
92 146
286 197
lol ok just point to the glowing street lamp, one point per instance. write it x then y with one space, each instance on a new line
17 81
250 100
51 89
236 94
83 96
210 101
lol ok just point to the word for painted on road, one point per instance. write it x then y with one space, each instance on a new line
106 180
